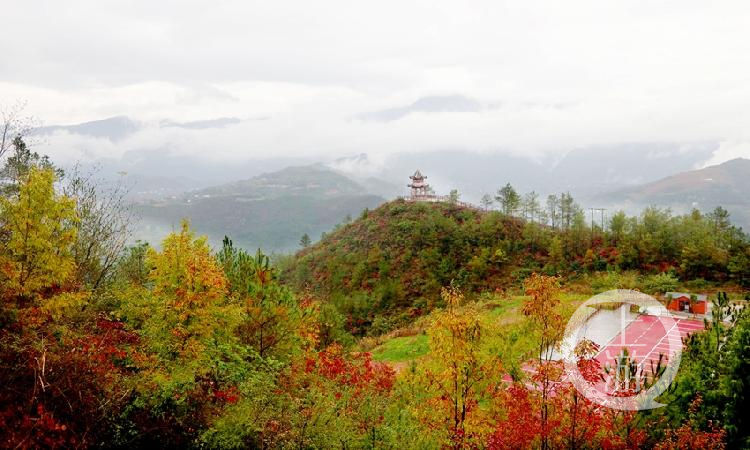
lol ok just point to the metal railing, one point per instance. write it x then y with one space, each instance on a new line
438 199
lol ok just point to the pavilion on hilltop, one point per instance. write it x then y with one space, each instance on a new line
419 187
422 192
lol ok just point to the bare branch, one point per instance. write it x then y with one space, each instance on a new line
13 124
106 222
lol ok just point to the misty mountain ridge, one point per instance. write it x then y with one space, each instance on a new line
315 180
600 176
118 128
112 128
725 185
221 122
272 210
586 172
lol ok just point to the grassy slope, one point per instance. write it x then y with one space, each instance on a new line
402 348
511 337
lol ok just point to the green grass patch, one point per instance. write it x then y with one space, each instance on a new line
403 348
509 333
506 305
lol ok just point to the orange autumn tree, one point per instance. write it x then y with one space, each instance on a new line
189 280
188 371
542 308
185 272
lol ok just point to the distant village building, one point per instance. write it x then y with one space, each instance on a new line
682 301
419 187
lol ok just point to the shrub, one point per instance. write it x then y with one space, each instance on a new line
604 281
380 325
662 282
697 284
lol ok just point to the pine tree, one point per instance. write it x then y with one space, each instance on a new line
509 199
531 206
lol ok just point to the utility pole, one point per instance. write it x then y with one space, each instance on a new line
601 210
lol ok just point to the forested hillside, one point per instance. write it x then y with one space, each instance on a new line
396 258
401 254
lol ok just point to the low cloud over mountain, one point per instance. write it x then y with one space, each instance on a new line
432 104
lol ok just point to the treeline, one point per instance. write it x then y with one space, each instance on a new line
694 245
559 211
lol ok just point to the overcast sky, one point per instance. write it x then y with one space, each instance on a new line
333 78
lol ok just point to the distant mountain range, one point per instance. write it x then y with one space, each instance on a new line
305 196
586 171
271 211
120 127
726 185
112 128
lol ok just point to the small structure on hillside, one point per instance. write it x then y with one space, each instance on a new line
685 302
422 192
419 187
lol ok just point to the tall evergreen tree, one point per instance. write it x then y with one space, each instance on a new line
509 199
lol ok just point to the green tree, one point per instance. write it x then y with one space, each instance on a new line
617 227
270 312
553 210
305 241
509 199
569 210
531 206
18 165
453 196
557 254
720 219
711 388
739 266
131 267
